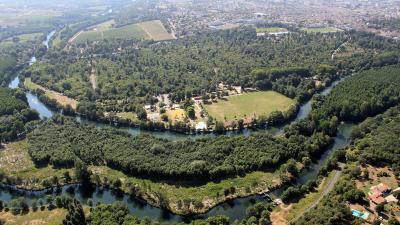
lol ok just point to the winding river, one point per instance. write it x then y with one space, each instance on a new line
234 209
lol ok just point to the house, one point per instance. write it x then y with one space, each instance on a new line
147 107
377 194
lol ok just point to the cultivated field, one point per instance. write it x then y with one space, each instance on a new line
271 29
146 30
321 30
106 30
61 99
249 105
155 30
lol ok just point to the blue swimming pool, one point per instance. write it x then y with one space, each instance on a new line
359 214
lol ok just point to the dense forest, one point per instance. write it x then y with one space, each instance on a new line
374 141
14 114
360 96
130 73
211 158
377 140
60 142
365 94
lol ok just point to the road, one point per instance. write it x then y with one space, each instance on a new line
325 192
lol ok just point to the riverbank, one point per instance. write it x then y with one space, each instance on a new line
179 198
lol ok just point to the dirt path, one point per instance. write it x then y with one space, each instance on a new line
93 79
338 49
328 189
74 37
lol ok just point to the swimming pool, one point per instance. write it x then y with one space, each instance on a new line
359 214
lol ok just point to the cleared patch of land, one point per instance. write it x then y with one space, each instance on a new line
252 104
107 30
271 29
16 162
321 30
155 30
60 98
128 115
176 114
45 217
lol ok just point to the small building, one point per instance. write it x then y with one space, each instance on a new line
201 126
147 107
176 106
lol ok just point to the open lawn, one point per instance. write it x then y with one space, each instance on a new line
155 30
249 105
321 30
271 29
60 98
45 217
106 30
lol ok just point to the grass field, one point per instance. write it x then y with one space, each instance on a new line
271 29
321 30
45 217
249 105
61 99
106 30
155 30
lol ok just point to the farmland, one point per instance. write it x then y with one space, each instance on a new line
321 30
155 30
21 39
271 29
146 30
249 105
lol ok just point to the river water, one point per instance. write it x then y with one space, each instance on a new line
234 209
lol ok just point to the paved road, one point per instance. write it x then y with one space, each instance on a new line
328 189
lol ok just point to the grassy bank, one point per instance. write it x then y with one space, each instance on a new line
48 217
60 98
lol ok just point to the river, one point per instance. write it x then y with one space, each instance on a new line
234 209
